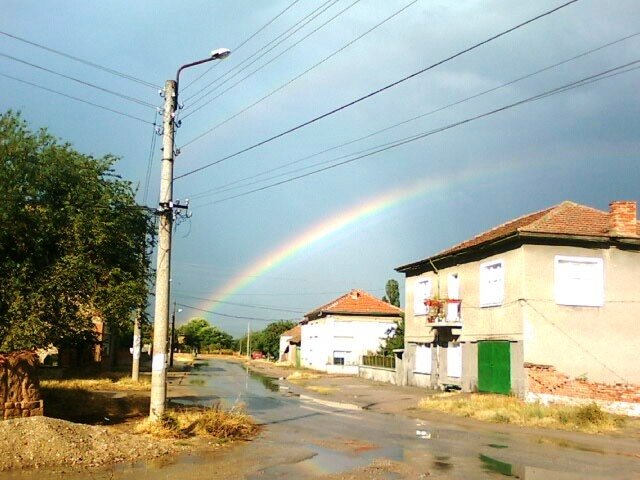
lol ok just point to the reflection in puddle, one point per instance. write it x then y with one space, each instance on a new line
269 383
442 464
493 465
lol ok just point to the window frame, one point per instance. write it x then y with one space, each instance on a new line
493 300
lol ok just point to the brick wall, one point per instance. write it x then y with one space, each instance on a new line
546 379
19 388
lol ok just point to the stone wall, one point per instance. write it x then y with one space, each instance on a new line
19 388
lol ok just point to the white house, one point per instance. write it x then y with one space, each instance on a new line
336 335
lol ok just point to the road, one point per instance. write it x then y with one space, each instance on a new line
306 439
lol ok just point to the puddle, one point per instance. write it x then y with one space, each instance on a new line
561 442
197 382
269 383
442 464
326 461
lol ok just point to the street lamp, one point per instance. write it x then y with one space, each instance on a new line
163 264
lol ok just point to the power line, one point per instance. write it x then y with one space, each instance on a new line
371 94
273 43
297 77
133 117
244 42
389 146
88 84
229 186
269 61
240 317
86 62
224 302
152 149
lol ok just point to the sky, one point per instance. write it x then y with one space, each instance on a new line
287 249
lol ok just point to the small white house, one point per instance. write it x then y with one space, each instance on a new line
334 337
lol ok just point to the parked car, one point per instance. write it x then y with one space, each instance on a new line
257 355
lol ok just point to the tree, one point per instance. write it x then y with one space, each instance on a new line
395 334
392 291
268 339
199 334
74 245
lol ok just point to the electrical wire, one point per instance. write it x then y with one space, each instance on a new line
269 61
370 94
237 316
244 42
313 67
224 302
88 84
230 185
273 44
584 81
85 62
133 117
152 149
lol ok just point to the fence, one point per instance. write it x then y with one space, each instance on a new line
379 361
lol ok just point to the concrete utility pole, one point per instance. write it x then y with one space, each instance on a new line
163 264
137 347
172 337
249 340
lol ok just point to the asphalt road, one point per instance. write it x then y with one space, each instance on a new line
306 439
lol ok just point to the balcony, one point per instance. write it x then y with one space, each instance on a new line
443 312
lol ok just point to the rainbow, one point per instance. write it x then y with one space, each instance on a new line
335 224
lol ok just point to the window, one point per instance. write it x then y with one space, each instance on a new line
339 357
491 283
454 360
423 359
421 292
453 292
579 281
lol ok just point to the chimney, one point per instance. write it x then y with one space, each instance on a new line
355 294
622 219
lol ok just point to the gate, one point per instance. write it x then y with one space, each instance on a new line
494 367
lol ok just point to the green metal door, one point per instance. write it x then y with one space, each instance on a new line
494 367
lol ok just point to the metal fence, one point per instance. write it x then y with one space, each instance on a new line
379 361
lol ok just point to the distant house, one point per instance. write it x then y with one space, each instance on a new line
290 346
544 305
336 335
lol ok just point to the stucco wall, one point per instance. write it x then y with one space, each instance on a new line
378 374
597 343
504 322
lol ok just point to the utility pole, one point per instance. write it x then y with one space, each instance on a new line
163 264
137 347
249 340
172 338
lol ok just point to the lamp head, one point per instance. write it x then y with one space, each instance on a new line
220 53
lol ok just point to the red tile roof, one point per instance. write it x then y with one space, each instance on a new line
566 218
294 333
356 302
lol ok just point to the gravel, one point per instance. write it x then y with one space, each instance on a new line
36 442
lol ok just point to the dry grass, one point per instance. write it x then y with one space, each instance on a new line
302 375
322 390
588 418
110 381
216 422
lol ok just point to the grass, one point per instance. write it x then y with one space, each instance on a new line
216 421
104 381
322 390
588 418
302 375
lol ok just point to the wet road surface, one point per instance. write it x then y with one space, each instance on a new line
306 439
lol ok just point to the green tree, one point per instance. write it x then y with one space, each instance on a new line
73 242
267 340
392 291
199 334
